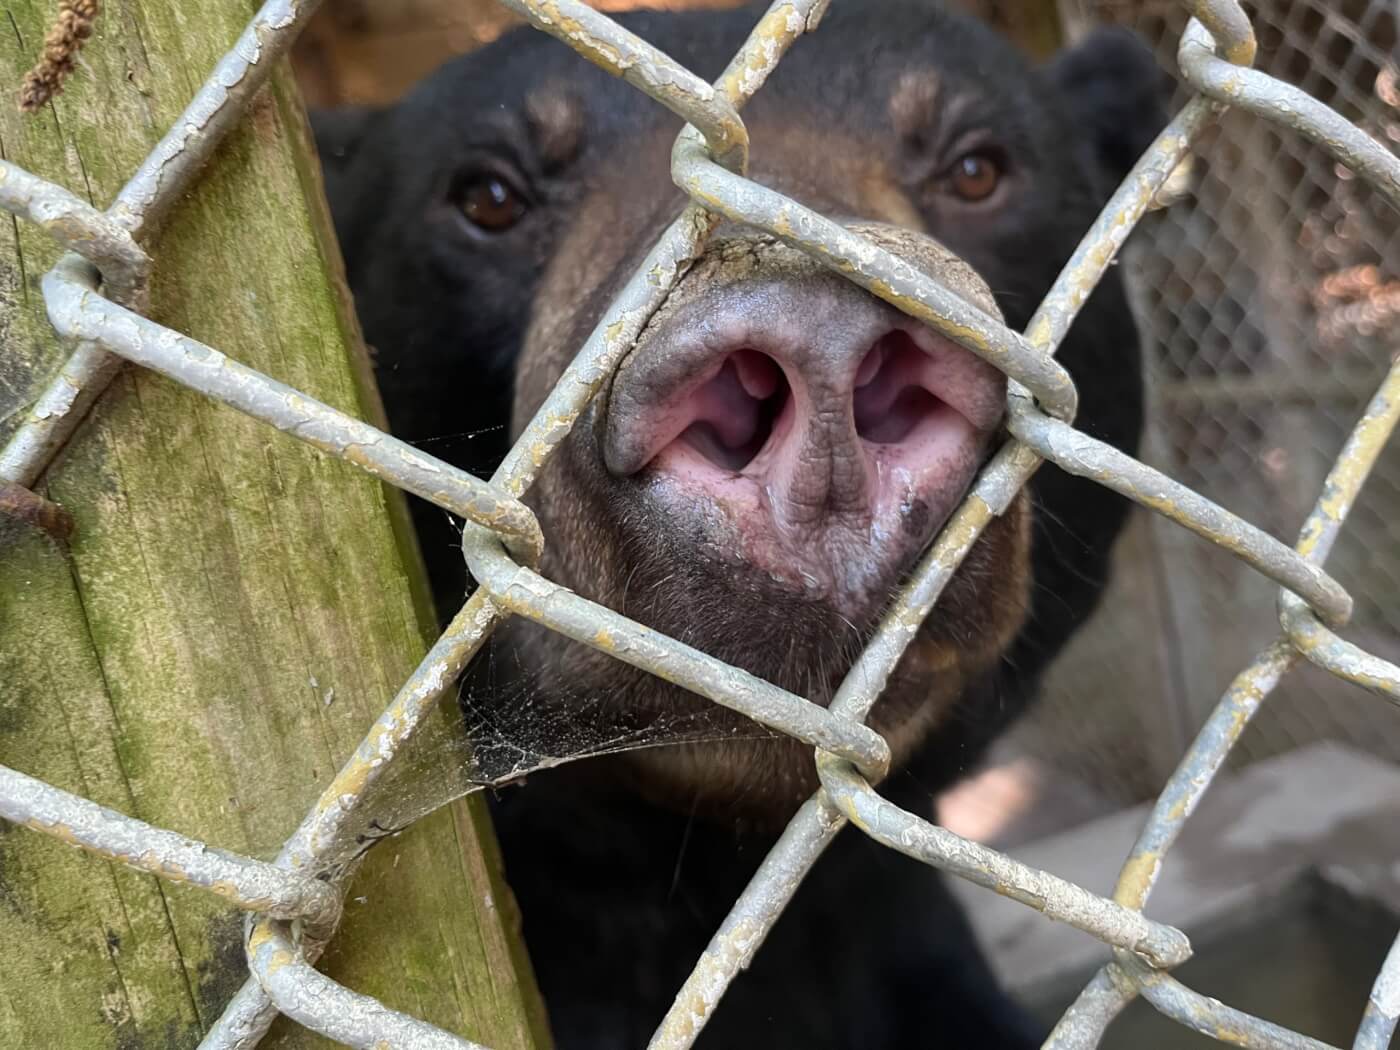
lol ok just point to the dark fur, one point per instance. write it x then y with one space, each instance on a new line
620 896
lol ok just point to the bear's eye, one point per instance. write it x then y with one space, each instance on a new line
975 176
490 203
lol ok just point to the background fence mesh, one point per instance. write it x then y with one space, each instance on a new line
1270 297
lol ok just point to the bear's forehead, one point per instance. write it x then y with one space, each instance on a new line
885 77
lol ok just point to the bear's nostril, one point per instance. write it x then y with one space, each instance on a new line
732 415
870 366
758 373
890 399
897 420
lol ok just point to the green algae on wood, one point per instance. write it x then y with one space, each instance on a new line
160 663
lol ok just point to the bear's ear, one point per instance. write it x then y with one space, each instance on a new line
338 134
1116 94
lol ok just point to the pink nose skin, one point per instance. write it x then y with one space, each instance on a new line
818 432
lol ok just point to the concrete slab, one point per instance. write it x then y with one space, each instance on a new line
1326 808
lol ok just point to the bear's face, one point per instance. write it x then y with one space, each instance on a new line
780 447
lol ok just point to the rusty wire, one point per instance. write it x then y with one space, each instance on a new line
95 297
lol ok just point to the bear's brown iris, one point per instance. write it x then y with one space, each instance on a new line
490 203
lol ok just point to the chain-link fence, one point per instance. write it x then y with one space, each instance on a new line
293 901
1268 297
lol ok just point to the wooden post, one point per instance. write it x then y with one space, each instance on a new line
233 609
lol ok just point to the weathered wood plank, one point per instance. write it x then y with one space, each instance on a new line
163 664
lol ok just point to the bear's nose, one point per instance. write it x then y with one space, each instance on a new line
799 405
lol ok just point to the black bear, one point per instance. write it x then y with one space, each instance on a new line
765 466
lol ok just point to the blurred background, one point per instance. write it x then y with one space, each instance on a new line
1269 296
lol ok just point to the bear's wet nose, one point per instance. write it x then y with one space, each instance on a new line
822 423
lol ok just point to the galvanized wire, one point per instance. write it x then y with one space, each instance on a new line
1309 637
251 884
79 314
140 207
94 298
310 998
